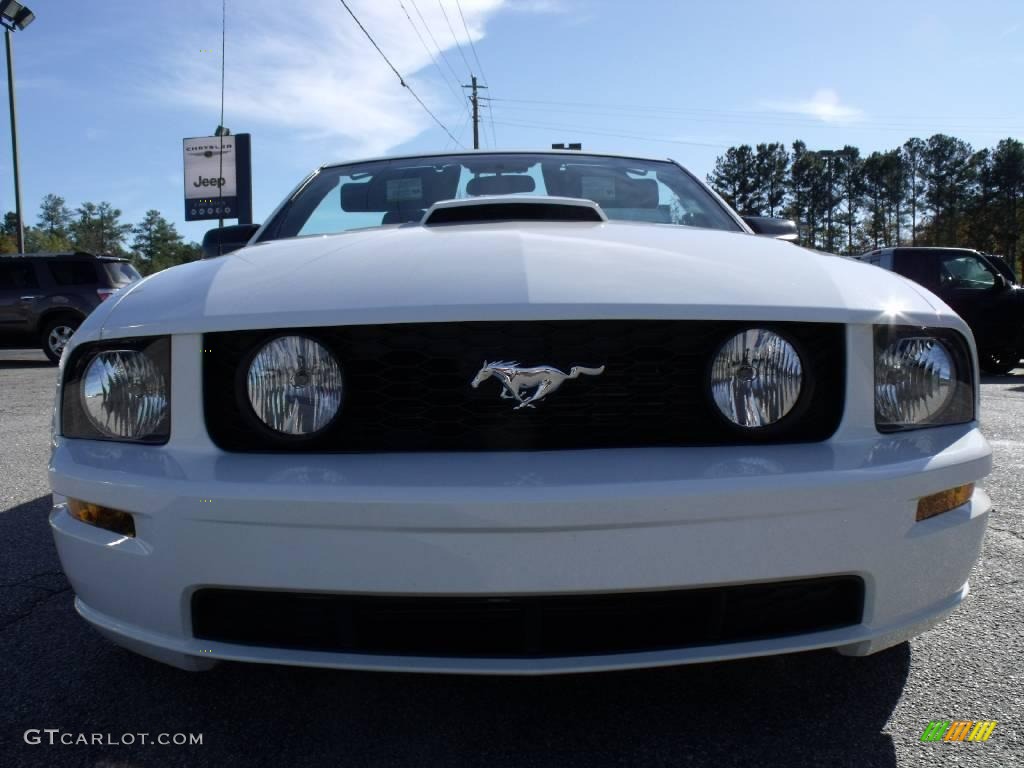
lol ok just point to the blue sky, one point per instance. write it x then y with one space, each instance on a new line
107 90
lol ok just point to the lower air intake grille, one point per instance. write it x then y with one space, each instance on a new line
526 627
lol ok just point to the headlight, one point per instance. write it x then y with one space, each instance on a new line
923 377
756 378
118 391
294 386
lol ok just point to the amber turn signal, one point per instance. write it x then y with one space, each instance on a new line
943 501
102 517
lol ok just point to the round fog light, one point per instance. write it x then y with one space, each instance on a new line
294 385
756 378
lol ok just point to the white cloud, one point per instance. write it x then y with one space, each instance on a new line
538 6
825 105
315 72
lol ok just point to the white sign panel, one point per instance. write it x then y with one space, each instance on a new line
210 167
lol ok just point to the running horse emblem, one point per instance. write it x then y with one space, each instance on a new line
517 382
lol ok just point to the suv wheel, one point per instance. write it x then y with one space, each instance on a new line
56 334
998 363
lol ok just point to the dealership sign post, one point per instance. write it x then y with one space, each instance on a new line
218 178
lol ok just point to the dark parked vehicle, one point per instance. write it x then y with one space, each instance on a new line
1000 263
976 287
44 297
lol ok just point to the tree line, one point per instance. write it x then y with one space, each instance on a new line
936 191
152 244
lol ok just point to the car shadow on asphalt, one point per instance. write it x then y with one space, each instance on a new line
23 364
808 709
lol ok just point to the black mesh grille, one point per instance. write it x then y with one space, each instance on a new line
407 386
527 627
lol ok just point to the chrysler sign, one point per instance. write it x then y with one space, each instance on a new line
218 178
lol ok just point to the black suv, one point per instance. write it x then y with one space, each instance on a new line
981 291
44 297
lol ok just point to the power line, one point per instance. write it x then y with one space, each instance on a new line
483 76
462 128
484 102
770 120
434 41
571 129
433 59
397 73
635 108
457 44
472 47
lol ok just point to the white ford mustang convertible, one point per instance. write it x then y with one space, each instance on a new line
516 412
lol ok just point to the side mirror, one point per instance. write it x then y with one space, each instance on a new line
1001 283
766 226
222 240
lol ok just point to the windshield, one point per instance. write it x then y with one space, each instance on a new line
393 192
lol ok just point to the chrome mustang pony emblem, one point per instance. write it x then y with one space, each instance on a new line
516 381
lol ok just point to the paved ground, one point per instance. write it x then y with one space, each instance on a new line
814 709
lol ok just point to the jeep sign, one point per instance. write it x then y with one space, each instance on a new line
218 178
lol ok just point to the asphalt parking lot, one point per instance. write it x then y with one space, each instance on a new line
813 709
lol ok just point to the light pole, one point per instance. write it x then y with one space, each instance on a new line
14 15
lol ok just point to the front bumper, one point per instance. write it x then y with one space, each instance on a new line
569 522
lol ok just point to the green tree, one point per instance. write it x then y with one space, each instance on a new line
39 240
913 161
809 194
54 216
157 245
1006 177
734 178
946 192
894 187
850 190
98 229
875 228
771 169
949 174
8 228
53 227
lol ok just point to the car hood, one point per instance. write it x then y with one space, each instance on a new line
513 271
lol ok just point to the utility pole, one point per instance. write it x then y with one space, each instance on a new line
20 232
14 15
475 101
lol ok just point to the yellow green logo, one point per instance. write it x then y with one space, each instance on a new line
959 730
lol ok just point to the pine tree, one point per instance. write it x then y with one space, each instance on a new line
157 244
54 216
98 229
1007 182
913 161
850 190
734 178
949 173
771 168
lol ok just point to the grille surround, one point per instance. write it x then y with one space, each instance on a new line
537 626
407 387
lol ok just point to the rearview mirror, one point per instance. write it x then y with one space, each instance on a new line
222 240
780 229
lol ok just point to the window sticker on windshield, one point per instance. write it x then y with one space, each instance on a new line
404 189
598 188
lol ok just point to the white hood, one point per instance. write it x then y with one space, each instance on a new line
514 271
